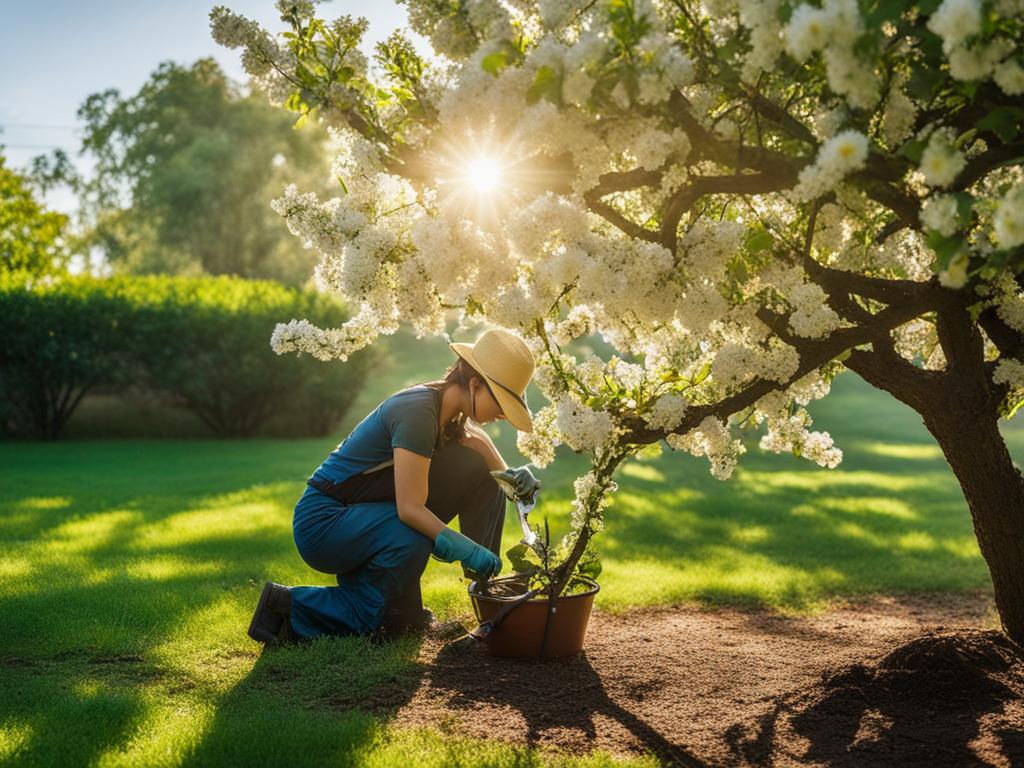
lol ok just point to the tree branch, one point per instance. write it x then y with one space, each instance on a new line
980 166
612 216
1009 342
735 184
625 180
814 353
776 114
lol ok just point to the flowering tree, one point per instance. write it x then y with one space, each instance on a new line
741 196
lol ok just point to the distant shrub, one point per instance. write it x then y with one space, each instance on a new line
60 340
199 342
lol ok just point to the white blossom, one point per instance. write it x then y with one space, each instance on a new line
841 155
899 116
713 440
955 274
667 412
807 31
977 62
1009 371
1009 76
766 42
303 8
955 21
940 213
231 29
1009 301
834 29
582 428
539 445
1008 221
941 162
789 434
811 317
918 341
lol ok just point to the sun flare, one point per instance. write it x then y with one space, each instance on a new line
483 173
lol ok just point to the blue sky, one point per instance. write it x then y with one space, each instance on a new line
54 53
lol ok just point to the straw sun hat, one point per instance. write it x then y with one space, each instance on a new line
506 364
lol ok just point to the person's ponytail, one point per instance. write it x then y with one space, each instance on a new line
458 375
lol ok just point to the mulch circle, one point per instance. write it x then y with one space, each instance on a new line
885 682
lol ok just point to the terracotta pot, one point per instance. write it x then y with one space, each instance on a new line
521 631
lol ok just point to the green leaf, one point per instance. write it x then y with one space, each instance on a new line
945 247
975 310
922 83
341 181
523 559
1011 411
545 82
964 202
650 451
495 62
738 270
759 240
1004 122
912 150
591 569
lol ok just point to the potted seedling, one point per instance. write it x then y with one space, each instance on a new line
536 611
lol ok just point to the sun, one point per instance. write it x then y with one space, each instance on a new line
476 179
484 177
483 173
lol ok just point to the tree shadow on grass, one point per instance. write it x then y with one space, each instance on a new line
60 719
90 684
316 704
564 696
792 538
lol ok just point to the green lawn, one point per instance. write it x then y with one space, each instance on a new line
129 570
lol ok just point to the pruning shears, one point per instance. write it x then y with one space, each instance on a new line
523 507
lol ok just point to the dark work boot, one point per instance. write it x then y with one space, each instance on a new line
273 612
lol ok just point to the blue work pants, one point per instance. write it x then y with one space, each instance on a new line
377 558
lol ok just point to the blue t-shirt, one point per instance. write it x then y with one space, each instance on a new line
408 419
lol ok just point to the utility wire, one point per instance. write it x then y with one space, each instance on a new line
40 126
34 146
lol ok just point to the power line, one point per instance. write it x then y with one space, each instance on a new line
34 146
41 126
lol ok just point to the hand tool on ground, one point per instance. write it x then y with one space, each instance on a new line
494 622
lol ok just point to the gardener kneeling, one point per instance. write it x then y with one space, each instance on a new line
378 506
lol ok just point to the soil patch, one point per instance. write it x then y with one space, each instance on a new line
916 681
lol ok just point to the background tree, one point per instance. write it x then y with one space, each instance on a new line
184 172
742 197
31 238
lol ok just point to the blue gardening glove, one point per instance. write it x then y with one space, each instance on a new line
522 480
450 546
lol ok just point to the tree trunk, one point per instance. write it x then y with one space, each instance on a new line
994 489
960 407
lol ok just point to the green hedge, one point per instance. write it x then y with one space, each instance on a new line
202 343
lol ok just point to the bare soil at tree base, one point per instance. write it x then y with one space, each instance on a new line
887 681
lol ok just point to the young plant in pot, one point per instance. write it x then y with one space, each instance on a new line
526 604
